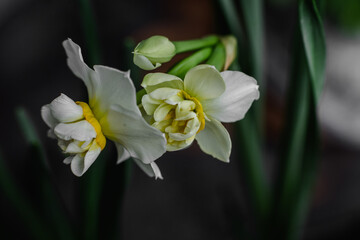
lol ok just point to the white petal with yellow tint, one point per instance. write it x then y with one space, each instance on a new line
190 130
184 110
232 105
154 81
79 68
150 104
164 93
65 110
115 87
162 112
204 82
129 129
215 140
77 146
82 131
80 163
48 117
144 63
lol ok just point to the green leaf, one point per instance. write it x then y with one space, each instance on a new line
93 179
53 207
90 31
301 142
314 42
248 129
253 50
252 12
232 19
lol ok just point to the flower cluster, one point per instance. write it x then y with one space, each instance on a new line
193 108
177 111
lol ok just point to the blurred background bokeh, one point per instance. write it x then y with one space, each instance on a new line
200 197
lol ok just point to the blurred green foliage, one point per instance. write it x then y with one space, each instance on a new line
345 13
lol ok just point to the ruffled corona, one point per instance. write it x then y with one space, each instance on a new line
179 116
89 116
77 130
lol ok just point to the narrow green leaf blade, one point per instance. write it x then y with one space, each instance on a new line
314 42
51 198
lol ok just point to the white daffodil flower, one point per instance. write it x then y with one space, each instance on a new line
193 108
81 129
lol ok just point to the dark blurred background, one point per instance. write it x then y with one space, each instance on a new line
200 197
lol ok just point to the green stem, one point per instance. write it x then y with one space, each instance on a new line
182 67
92 182
218 57
90 32
252 167
191 45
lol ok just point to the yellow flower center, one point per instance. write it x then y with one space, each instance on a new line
198 109
89 116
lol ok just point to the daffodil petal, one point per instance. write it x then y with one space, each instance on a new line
204 82
156 170
77 165
215 140
164 93
144 63
190 130
79 68
149 104
48 117
152 170
75 147
162 111
122 153
68 160
80 164
65 110
82 131
115 87
131 131
154 81
232 105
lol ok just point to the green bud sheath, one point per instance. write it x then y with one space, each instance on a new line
218 57
190 45
182 67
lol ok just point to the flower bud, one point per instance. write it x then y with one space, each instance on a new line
152 52
230 44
